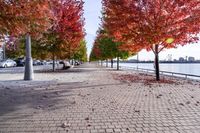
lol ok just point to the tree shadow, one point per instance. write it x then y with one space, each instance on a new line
35 95
28 98
71 70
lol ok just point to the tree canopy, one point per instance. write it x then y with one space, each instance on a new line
105 47
25 16
152 24
140 24
60 25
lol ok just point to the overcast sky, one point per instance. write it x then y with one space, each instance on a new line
93 12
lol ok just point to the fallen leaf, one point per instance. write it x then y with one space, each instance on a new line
87 118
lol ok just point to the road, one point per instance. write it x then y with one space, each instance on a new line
21 69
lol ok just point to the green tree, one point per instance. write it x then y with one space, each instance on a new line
107 48
81 53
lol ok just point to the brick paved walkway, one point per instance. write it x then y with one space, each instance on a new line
96 103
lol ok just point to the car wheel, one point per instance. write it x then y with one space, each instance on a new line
5 66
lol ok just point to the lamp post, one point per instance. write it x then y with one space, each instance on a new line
28 75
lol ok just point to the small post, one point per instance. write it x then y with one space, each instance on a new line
28 74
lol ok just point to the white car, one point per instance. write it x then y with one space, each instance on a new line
66 64
8 63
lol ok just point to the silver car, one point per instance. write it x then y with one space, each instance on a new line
8 63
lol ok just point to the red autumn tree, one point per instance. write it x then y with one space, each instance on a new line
29 17
70 26
96 52
24 16
63 38
153 24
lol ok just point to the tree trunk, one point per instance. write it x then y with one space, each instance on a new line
137 59
117 63
111 63
157 71
4 51
53 62
28 74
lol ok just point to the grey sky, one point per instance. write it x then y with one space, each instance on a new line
92 9
93 12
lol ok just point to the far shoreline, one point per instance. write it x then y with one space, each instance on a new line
161 62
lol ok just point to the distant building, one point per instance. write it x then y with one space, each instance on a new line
191 59
186 58
181 59
169 57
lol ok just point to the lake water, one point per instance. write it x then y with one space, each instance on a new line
184 68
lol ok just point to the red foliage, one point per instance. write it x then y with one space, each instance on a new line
24 16
70 23
140 24
96 49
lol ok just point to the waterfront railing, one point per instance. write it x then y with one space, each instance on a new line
175 74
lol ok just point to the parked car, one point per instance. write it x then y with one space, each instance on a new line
8 63
48 62
66 64
77 63
61 62
43 62
20 61
36 62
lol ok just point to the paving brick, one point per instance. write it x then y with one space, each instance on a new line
96 103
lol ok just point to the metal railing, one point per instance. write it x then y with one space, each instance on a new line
175 74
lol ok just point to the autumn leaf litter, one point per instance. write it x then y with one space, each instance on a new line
146 79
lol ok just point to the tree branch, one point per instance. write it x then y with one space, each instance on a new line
162 49
153 50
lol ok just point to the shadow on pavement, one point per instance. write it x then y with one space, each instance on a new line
27 98
32 97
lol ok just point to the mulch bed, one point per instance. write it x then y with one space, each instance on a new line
142 78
